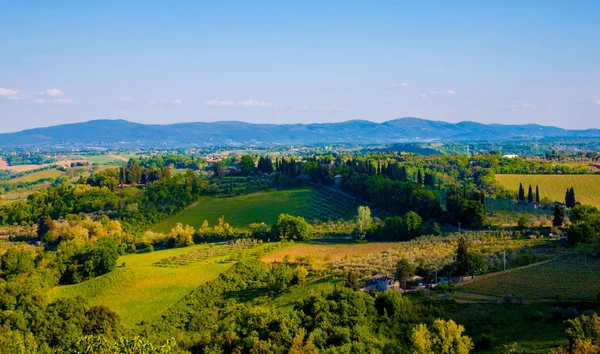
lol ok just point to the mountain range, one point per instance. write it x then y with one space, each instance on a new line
111 132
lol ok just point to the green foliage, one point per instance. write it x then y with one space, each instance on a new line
288 227
363 223
16 261
443 337
246 165
559 216
91 261
404 270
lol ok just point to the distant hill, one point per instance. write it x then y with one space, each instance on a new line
110 132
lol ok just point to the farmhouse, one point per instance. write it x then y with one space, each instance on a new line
380 283
510 156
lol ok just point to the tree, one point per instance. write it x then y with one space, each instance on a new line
419 177
570 200
352 280
183 236
521 193
523 223
537 194
530 195
462 264
44 226
412 223
290 227
16 261
559 216
581 232
476 262
404 270
444 337
363 223
246 164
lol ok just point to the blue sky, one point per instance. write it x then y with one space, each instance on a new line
162 62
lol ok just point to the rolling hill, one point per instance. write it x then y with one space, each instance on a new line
107 132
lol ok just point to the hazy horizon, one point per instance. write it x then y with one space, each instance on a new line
310 62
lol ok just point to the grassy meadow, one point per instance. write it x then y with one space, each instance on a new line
141 289
587 187
240 211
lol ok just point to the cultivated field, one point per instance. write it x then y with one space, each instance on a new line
36 176
243 210
587 187
107 159
145 287
567 278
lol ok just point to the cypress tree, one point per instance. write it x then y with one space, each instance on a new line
537 194
570 198
559 216
419 177
521 193
530 195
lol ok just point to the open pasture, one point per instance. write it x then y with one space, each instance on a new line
587 187
142 289
569 278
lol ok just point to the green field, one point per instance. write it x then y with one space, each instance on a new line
36 176
107 159
142 289
568 278
587 187
265 207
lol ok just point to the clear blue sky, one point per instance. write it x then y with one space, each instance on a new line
310 61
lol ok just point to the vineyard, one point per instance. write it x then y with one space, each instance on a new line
568 278
587 187
327 204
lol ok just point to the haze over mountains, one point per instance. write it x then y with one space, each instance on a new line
109 132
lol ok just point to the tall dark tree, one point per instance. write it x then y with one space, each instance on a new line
419 177
570 198
462 264
44 226
530 195
559 216
429 180
521 193
537 194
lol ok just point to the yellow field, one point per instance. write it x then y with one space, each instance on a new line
587 187
329 252
36 176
